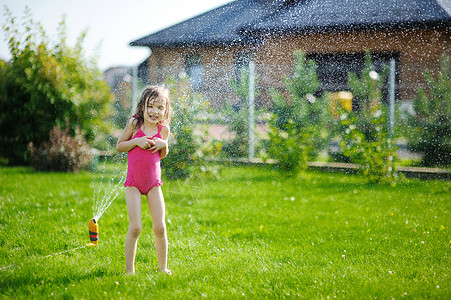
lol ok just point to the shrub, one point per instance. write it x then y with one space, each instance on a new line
375 156
46 84
430 125
237 120
63 153
204 159
365 133
297 127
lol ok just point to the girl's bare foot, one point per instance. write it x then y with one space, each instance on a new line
166 271
126 272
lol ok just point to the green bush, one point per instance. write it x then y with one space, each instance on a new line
365 133
63 153
375 156
237 121
204 159
298 126
430 125
47 84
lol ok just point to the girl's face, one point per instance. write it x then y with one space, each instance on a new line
155 111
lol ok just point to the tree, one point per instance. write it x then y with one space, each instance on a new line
365 133
430 125
47 84
297 129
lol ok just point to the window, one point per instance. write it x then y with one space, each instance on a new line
194 71
333 69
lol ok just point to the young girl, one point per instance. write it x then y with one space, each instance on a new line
145 139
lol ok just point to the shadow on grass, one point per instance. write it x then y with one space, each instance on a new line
16 170
18 280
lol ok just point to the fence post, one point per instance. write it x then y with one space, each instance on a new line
251 108
391 96
134 88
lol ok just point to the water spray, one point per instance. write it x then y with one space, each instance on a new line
103 197
93 233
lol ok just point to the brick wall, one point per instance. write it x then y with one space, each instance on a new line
418 49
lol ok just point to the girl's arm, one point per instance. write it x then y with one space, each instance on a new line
162 144
124 144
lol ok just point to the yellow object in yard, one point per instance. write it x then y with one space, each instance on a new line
93 233
344 99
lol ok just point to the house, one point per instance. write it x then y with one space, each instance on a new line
213 47
119 80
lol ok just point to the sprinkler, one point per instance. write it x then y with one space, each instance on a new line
93 233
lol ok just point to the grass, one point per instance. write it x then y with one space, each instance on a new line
251 234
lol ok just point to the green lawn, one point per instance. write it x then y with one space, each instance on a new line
251 234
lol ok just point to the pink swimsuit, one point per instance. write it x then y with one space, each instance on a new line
144 170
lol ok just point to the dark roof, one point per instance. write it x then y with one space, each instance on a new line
218 26
235 22
320 15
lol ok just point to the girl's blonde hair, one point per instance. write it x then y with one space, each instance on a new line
153 93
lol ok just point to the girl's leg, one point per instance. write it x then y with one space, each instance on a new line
155 200
133 199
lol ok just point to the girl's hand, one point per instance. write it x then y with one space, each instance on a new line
144 143
158 144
